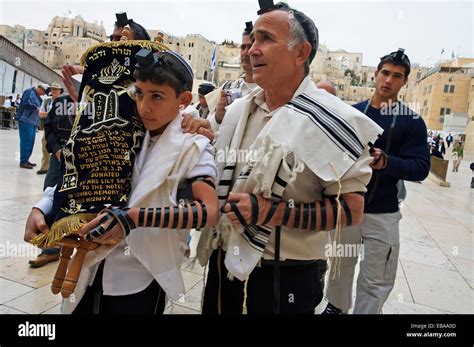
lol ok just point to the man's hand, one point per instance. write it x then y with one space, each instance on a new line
380 159
220 110
197 126
58 154
68 71
35 224
244 206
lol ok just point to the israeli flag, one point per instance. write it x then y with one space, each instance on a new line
213 60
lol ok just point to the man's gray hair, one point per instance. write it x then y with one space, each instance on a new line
297 36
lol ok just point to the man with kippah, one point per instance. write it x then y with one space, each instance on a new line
244 85
204 89
399 154
293 163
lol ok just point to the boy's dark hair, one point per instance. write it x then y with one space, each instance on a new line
165 67
398 58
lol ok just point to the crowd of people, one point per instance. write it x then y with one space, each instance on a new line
439 147
320 171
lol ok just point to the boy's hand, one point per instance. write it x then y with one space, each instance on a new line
197 126
35 224
112 237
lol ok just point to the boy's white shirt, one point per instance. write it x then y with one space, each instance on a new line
154 183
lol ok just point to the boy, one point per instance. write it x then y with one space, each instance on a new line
135 275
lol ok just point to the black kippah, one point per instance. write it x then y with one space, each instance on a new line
248 27
122 19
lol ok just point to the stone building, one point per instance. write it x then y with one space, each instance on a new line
196 49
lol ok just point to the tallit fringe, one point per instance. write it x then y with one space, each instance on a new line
270 149
336 261
62 228
244 304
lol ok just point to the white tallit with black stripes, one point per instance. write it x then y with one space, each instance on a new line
315 130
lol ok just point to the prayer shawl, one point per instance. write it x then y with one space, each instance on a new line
156 176
315 130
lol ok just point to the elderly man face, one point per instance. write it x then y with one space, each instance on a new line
273 64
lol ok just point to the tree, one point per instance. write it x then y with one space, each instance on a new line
355 80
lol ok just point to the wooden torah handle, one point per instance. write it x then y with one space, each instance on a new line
66 253
74 271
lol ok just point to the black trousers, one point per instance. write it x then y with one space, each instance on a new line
150 301
300 289
53 174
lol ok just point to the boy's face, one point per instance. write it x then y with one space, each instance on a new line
158 104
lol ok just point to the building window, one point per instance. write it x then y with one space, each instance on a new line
67 57
45 34
446 88
357 59
189 57
448 111
429 89
441 119
451 89
441 112
54 42
227 75
424 92
177 44
329 58
45 42
425 103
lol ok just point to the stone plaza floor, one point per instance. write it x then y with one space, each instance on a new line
435 271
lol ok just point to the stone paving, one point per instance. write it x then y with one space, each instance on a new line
435 272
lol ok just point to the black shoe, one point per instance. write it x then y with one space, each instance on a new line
32 164
41 172
26 166
331 309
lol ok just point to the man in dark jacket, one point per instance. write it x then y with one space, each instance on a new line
57 127
399 154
